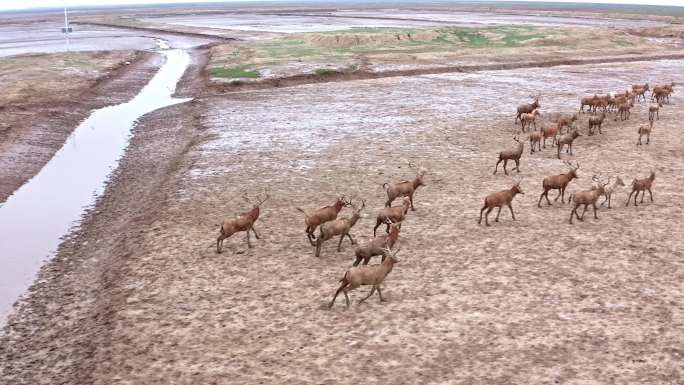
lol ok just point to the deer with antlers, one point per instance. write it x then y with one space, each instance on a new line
641 185
610 189
558 182
587 198
514 155
315 218
527 108
388 215
341 227
243 222
367 275
500 199
377 245
405 188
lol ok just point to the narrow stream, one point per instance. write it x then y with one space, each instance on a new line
37 215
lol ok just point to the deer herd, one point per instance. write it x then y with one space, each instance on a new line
325 219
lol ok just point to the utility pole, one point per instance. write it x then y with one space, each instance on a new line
66 28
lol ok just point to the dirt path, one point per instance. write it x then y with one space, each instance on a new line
39 130
138 295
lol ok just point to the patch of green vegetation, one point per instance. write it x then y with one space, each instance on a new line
325 71
513 38
233 72
73 63
471 36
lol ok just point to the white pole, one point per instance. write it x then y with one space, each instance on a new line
66 25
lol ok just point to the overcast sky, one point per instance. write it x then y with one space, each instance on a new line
23 4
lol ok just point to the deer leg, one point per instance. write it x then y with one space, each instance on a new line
487 216
255 232
369 294
377 224
571 213
648 138
629 198
358 260
346 298
388 228
643 193
249 244
339 244
651 194
219 243
380 294
560 192
412 208
497 214
481 211
540 198
594 205
497 165
353 242
344 284
605 200
319 242
505 163
311 238
517 164
510 207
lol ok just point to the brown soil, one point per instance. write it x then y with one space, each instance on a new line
139 296
34 129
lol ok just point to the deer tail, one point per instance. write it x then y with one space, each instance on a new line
385 185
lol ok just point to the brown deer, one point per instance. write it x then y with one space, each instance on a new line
513 155
643 130
587 198
243 222
610 189
567 139
528 108
315 218
535 140
640 91
366 275
340 227
566 121
654 111
596 122
378 245
500 199
392 214
550 132
641 185
624 110
526 120
591 101
558 182
405 188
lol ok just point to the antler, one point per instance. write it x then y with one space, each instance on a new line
261 201
246 198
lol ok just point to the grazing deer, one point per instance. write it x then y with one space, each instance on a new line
404 188
243 222
596 122
366 275
641 185
392 214
315 218
643 130
610 189
587 198
378 245
567 139
340 227
500 199
527 108
558 182
550 132
513 155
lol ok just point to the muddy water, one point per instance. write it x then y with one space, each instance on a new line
33 220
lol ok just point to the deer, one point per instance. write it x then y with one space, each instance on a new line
654 111
566 120
590 101
567 139
587 198
315 218
340 227
372 275
558 182
643 130
392 214
535 140
610 189
641 185
596 122
550 132
500 199
404 188
640 91
243 222
377 245
529 119
513 155
624 110
528 108
662 92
